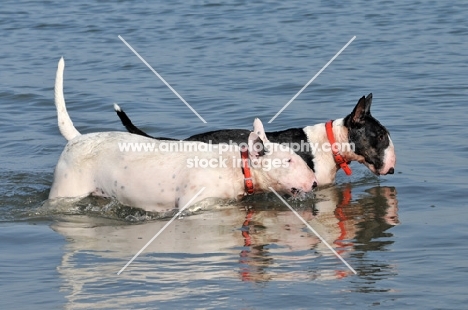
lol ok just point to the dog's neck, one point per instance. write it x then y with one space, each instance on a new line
259 179
237 177
320 146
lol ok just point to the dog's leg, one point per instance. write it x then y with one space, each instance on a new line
69 182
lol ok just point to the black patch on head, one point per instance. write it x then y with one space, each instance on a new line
370 138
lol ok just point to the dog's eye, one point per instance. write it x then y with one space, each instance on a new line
289 160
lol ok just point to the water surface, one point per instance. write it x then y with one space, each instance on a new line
404 234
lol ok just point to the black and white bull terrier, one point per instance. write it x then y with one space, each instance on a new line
103 164
356 137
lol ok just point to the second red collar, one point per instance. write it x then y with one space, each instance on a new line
339 159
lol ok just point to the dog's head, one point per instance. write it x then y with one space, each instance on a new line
277 165
371 139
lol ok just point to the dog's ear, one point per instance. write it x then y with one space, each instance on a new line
361 110
368 103
259 131
256 146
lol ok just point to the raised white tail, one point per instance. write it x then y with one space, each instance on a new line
64 122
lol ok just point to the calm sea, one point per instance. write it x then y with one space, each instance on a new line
233 61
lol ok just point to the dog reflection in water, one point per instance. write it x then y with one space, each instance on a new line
270 244
346 224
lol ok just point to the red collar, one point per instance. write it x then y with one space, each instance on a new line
246 171
339 159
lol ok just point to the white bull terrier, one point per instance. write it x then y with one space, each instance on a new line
162 174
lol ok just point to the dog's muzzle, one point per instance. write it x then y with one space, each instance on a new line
314 185
296 191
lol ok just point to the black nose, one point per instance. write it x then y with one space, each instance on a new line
314 185
391 171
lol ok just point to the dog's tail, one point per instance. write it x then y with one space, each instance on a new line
128 123
64 122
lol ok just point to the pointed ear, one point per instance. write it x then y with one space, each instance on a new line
368 103
259 131
256 147
361 109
